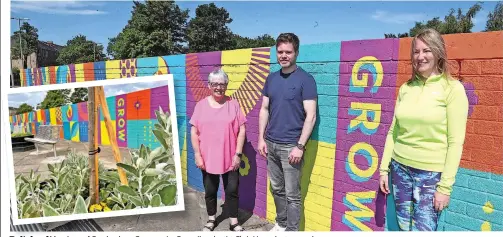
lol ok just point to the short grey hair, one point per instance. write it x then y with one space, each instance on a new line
218 73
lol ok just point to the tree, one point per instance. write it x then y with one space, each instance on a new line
80 50
240 42
79 95
495 18
156 28
208 31
23 108
455 22
400 35
55 98
29 41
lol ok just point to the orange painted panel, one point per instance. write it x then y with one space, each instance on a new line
138 105
481 45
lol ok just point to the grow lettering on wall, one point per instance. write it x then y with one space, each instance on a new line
121 121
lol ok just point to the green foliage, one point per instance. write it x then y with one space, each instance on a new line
22 134
400 35
455 22
495 18
80 50
208 31
151 174
240 42
56 98
156 28
79 95
61 194
29 41
24 108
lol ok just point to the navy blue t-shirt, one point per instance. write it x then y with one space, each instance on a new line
286 94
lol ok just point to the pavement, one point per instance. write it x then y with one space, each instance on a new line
192 219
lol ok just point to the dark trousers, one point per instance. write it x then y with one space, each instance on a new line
231 186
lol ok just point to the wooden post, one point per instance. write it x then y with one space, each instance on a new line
92 165
100 97
96 159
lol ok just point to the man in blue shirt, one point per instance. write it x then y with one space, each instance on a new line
286 120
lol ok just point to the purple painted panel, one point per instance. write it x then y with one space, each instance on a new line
83 112
121 120
159 97
357 171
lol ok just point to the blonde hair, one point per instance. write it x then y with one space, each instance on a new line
436 43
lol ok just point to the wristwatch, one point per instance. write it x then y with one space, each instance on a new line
239 154
301 147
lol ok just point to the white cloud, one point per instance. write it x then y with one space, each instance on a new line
128 88
31 98
397 18
59 7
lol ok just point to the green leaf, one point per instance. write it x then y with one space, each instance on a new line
24 179
168 195
134 185
158 127
136 201
88 201
156 152
116 207
80 206
50 167
140 163
115 199
26 207
129 169
153 188
160 137
49 211
151 172
130 205
143 152
127 190
61 180
159 119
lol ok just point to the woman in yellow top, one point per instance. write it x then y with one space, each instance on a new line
425 141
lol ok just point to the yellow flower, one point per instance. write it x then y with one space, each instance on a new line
103 204
98 207
243 171
106 209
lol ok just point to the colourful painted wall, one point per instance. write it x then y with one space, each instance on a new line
133 117
347 143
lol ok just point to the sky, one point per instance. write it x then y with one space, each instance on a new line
33 98
313 22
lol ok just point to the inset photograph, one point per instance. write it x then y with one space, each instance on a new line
94 149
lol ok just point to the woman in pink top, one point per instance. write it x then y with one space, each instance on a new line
217 136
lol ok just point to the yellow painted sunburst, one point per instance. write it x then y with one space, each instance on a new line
247 70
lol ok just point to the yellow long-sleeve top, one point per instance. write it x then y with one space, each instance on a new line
428 128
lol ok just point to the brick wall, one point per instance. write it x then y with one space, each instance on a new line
339 184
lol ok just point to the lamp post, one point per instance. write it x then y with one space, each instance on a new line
20 46
20 39
94 50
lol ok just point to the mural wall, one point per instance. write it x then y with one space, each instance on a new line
357 83
133 117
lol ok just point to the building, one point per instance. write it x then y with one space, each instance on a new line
46 55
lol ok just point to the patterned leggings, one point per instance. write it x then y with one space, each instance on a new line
413 191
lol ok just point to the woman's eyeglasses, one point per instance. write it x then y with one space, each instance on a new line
215 85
